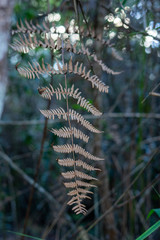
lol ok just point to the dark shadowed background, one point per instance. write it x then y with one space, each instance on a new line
128 186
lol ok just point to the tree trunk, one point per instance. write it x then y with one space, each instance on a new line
109 226
6 7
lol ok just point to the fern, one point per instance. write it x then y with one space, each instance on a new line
26 44
31 28
34 70
60 113
71 92
67 132
78 178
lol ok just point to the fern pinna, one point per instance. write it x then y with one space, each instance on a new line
29 38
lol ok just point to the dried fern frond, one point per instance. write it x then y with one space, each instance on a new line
37 70
85 51
116 55
91 34
29 27
80 119
67 133
103 66
79 207
78 194
70 184
68 148
20 47
60 113
81 71
71 92
80 190
33 71
25 44
78 183
82 205
74 200
80 163
73 174
68 162
28 42
84 184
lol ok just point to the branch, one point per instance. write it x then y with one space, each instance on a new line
154 94
129 25
86 116
37 186
138 168
28 179
124 193
118 202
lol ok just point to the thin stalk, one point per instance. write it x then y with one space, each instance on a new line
35 178
124 193
69 122
37 166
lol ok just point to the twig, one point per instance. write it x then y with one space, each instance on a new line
79 2
116 205
48 229
11 198
38 165
13 202
27 178
86 116
134 171
124 193
35 178
129 25
148 187
76 11
151 91
154 94
37 186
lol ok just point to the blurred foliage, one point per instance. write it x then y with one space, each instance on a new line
133 28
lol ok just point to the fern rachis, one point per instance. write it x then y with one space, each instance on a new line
77 180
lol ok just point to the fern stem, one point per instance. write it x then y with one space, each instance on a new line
69 122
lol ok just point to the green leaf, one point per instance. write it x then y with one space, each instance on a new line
156 210
24 235
149 231
123 2
76 107
156 191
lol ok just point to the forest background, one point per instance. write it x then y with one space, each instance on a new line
128 186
